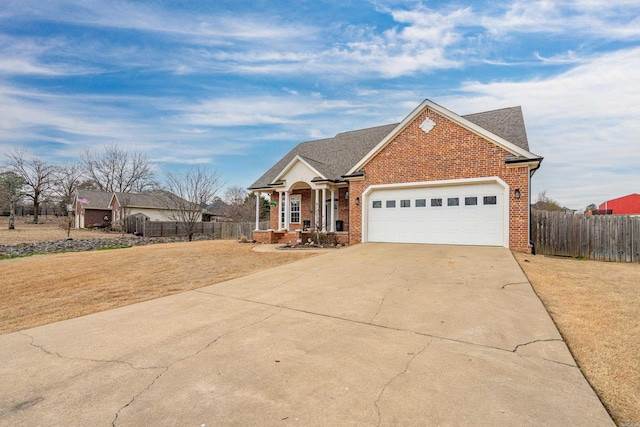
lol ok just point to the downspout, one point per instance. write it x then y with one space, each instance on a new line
531 173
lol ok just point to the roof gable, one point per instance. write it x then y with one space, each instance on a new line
297 160
467 124
331 157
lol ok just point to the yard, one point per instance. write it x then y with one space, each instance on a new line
596 307
51 228
41 289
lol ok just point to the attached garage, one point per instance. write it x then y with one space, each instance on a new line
460 212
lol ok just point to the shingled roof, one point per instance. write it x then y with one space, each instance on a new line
154 200
507 123
96 199
334 157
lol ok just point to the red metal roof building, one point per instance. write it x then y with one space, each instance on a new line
625 205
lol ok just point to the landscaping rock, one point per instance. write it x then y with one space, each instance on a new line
22 249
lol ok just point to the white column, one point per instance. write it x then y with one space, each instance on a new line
317 211
280 210
332 227
286 210
257 211
324 206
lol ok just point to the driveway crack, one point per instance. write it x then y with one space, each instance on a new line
85 359
395 377
169 366
515 350
512 284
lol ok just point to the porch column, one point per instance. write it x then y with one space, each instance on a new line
332 227
324 204
257 211
286 210
280 210
317 210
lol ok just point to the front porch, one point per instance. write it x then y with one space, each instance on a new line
293 237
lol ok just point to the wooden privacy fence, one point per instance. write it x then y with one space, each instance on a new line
219 230
598 237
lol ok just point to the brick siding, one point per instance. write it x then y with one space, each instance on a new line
448 151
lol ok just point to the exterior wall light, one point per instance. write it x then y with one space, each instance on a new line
357 201
516 193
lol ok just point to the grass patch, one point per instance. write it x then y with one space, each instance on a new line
596 307
40 290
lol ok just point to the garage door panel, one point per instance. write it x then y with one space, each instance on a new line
477 224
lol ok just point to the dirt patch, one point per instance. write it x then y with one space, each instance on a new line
48 288
50 228
596 307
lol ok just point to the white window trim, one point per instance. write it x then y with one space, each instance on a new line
292 199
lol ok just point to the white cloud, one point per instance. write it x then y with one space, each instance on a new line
585 122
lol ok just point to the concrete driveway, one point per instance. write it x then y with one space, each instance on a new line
375 334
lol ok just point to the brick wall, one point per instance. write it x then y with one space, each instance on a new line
95 216
448 151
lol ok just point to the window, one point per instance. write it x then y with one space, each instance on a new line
391 203
489 200
377 204
295 209
421 203
436 202
453 201
405 203
470 201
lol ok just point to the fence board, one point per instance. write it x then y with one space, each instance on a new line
598 237
219 230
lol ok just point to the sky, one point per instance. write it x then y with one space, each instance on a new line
234 85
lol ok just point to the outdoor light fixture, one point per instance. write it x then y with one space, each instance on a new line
346 195
516 193
357 201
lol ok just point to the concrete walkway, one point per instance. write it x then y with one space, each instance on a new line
375 334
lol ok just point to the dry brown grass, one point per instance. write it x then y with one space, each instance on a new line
47 288
50 228
596 307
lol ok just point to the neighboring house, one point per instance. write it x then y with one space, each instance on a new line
436 177
91 208
154 206
626 205
217 212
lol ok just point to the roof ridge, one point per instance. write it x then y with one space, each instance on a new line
493 111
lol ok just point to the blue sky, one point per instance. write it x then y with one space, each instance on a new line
236 84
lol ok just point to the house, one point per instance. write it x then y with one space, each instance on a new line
626 205
217 211
91 207
153 205
436 177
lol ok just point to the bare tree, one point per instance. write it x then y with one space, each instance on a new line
242 205
119 170
37 174
10 192
238 209
66 179
187 193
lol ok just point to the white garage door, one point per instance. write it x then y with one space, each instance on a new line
470 214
